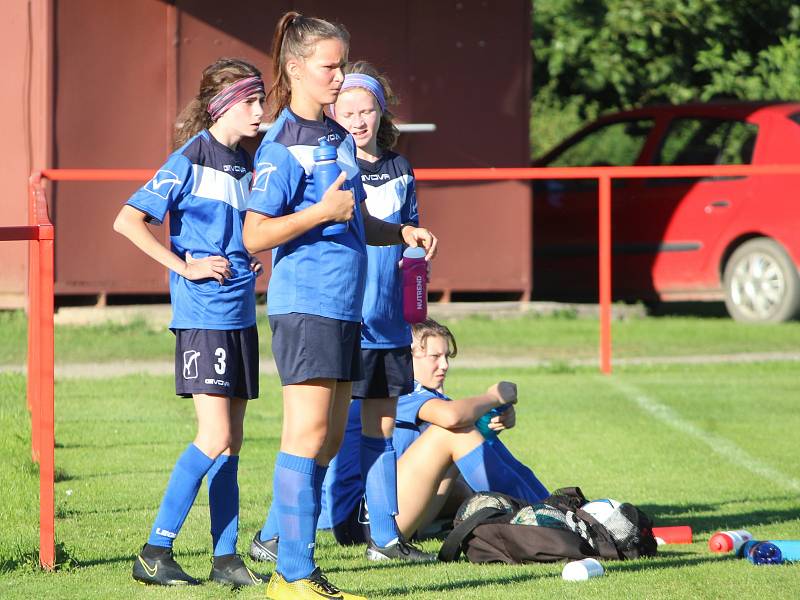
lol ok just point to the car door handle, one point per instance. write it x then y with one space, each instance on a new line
716 204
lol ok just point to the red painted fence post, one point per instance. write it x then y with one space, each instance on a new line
605 272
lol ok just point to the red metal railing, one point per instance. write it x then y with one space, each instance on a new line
40 232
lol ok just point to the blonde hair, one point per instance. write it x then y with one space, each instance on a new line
295 37
216 76
430 328
387 130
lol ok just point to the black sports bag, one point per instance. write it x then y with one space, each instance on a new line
492 527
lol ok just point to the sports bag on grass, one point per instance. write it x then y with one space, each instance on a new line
492 527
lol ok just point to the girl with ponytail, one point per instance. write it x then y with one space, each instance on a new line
316 288
203 187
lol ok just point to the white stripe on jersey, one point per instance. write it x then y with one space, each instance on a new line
344 158
212 184
385 200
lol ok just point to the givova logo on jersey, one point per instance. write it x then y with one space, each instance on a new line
162 183
263 172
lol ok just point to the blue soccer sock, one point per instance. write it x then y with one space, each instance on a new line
223 503
179 496
485 471
319 478
379 473
296 511
522 470
270 528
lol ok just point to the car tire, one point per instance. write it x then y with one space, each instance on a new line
761 283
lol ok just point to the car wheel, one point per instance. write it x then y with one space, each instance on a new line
761 283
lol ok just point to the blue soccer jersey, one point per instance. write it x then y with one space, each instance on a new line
391 196
311 274
204 186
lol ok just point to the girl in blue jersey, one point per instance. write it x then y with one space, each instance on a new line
362 108
442 456
203 187
317 285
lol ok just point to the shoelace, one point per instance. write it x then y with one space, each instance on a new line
407 547
326 585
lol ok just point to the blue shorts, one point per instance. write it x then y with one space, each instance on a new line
212 361
312 347
388 373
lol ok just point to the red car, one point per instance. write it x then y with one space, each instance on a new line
712 238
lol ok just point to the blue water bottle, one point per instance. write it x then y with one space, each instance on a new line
325 173
482 424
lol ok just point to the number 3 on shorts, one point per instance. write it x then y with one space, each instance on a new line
220 366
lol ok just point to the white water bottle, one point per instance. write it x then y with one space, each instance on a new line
581 570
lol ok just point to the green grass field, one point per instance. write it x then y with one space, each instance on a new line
708 445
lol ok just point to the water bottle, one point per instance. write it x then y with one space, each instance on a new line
789 551
415 286
678 534
762 553
729 541
581 570
482 424
325 173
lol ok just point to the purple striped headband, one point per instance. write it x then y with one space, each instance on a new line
235 92
354 80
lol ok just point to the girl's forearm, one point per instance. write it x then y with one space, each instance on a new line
265 233
133 227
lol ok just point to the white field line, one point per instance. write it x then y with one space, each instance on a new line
719 445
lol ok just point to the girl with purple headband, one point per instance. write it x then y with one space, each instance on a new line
363 109
204 186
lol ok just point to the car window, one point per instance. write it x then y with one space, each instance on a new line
616 144
696 141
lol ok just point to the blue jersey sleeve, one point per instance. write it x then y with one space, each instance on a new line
276 180
409 405
167 186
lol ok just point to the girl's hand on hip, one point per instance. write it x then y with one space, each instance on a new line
210 267
338 204
256 266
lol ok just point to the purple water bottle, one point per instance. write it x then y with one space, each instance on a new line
415 286
325 173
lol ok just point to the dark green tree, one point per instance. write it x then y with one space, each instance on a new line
597 56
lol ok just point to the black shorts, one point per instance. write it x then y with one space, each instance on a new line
211 361
312 347
388 373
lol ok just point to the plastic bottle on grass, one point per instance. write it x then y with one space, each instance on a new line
325 173
729 541
678 534
789 551
764 553
581 570
415 285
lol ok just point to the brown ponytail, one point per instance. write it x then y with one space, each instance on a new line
295 37
194 118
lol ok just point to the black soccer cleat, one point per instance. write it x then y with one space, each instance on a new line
264 551
231 570
159 568
400 550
